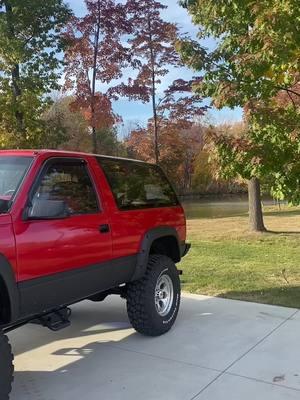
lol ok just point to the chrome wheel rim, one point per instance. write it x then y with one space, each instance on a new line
164 294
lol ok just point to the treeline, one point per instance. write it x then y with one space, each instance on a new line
187 155
185 152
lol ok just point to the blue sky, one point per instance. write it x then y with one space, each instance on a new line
136 112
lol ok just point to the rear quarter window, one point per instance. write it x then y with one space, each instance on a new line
137 185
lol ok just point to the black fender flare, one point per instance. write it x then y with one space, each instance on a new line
148 239
8 277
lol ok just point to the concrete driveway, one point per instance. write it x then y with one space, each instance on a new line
218 350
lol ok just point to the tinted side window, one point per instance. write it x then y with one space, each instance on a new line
71 183
12 171
137 185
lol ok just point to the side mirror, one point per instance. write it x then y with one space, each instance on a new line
47 209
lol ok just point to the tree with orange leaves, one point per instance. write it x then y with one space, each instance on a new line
153 53
95 55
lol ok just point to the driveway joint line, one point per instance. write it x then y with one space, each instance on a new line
244 354
165 358
262 340
206 386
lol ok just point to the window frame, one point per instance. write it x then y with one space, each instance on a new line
64 160
158 169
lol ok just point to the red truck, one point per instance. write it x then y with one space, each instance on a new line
75 226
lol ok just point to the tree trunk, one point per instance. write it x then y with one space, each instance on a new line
15 72
152 60
94 77
255 209
156 148
95 141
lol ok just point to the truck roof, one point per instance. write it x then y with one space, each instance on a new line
35 152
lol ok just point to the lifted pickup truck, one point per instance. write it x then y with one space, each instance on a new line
75 226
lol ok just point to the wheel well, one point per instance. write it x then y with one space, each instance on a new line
168 246
5 307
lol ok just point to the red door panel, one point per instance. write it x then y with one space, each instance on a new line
46 247
49 247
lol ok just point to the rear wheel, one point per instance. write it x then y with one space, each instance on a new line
153 301
6 367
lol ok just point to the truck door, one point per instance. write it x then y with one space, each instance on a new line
65 241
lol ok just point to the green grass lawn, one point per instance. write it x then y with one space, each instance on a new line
228 261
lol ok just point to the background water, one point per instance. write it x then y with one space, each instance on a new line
217 208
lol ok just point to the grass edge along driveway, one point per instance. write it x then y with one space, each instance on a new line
227 260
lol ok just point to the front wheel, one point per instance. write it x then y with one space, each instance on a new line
153 301
6 367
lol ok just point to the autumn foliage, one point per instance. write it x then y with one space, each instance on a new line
95 55
103 115
179 149
152 54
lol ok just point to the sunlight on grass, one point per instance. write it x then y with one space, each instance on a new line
227 260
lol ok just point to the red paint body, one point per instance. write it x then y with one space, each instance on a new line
40 248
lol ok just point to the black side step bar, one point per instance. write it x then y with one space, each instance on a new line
55 320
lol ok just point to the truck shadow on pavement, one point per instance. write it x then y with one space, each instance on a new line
95 357
87 319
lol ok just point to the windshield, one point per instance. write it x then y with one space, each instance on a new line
12 171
